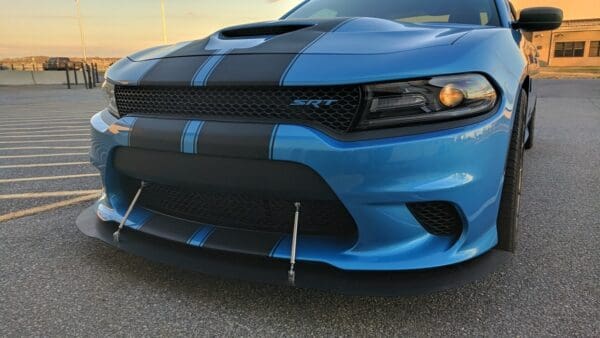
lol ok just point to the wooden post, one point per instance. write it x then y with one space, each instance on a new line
68 78
84 76
89 73
96 73
75 74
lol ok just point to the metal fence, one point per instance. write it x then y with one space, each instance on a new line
73 73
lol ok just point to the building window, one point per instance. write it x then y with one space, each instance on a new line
569 49
595 48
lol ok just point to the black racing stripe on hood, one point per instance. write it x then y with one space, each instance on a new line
179 67
267 63
194 48
157 134
174 71
239 140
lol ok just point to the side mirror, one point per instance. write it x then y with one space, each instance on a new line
539 19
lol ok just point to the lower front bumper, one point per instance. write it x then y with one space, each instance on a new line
274 271
375 180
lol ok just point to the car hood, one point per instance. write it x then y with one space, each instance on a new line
342 36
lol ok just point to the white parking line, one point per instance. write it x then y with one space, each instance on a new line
34 114
61 121
65 123
45 128
47 207
46 141
42 155
49 113
37 119
61 131
45 135
49 194
40 165
54 118
32 148
45 178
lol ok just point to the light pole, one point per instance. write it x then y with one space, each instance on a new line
81 31
164 21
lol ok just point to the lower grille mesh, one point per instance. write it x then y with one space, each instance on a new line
248 211
438 218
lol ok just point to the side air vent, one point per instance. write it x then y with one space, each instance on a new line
261 30
438 218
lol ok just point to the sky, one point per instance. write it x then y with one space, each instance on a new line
120 27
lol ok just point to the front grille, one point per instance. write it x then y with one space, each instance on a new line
267 104
249 211
438 218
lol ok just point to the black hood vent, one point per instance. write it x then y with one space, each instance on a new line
262 29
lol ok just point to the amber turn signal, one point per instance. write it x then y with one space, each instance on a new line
450 96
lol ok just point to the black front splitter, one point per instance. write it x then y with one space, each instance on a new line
274 271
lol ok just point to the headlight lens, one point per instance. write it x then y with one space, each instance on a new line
430 100
109 95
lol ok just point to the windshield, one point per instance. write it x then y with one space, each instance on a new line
471 12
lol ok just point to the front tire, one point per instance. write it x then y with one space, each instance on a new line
508 216
531 129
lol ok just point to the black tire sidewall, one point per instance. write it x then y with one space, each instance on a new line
508 215
531 129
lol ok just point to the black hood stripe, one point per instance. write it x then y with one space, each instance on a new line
175 69
289 66
266 64
203 73
193 48
287 70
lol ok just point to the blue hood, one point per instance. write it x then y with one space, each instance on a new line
343 36
318 52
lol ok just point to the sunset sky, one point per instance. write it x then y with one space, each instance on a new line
119 27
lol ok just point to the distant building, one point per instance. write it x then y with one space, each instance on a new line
577 42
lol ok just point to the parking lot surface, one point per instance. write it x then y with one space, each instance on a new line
54 281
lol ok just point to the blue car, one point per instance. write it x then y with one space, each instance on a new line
360 146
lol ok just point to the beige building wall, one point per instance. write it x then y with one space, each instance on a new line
582 24
586 31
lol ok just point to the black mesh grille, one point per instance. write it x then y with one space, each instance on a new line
249 211
438 218
269 104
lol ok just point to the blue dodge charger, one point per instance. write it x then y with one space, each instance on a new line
361 146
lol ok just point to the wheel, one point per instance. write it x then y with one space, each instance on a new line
531 129
508 216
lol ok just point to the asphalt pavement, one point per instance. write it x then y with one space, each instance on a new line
54 281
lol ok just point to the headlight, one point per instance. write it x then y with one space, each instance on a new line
109 95
424 101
